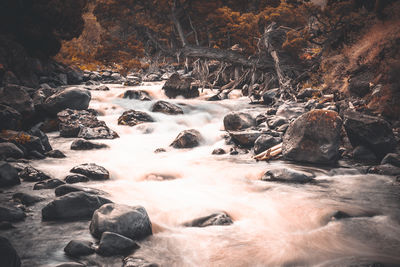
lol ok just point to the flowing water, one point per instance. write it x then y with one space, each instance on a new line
274 224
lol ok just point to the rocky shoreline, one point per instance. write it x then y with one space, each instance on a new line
314 130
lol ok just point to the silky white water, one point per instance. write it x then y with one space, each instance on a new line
274 224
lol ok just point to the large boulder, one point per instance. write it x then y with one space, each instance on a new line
187 139
10 150
238 121
92 171
83 124
180 86
219 218
132 222
73 206
18 98
8 254
166 108
112 244
286 175
10 119
314 137
73 98
133 117
371 132
8 175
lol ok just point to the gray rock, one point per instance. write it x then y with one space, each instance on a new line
30 174
180 86
314 137
264 142
76 178
391 158
133 118
10 150
238 121
73 206
219 218
82 144
166 108
364 154
17 97
386 169
187 139
92 171
276 121
290 110
308 93
11 214
48 184
131 222
270 96
102 132
137 94
245 138
138 262
218 151
66 189
26 199
112 244
10 119
55 154
286 175
77 248
8 254
8 175
73 98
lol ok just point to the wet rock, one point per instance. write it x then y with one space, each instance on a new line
76 178
6 226
138 262
8 254
11 214
137 94
270 96
26 141
218 151
48 184
371 132
101 88
290 110
238 121
364 154
180 86
339 215
84 124
286 175
386 169
391 158
73 206
66 189
17 97
77 248
30 174
245 138
276 121
132 83
152 77
264 142
55 154
160 150
131 222
133 117
308 93
187 139
26 199
166 108
112 244
219 218
8 175
10 119
10 150
72 98
92 171
82 144
314 137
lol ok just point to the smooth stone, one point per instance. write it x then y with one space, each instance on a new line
92 171
133 118
187 139
10 150
238 121
218 151
8 175
30 174
26 199
66 189
112 244
57 154
82 144
76 178
11 214
8 255
166 108
48 184
391 158
286 175
77 248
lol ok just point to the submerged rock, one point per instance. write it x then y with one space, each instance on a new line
133 117
286 175
132 222
77 248
112 244
314 137
8 175
92 171
180 86
219 218
82 144
73 206
8 254
371 132
238 121
187 139
26 199
48 184
166 108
